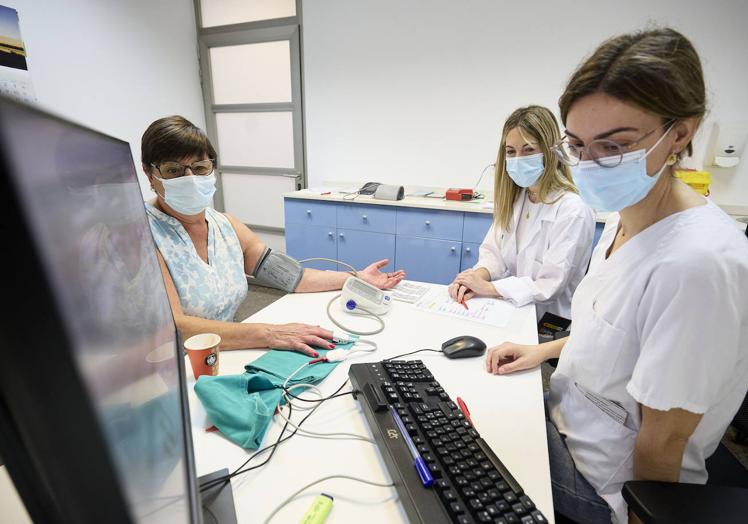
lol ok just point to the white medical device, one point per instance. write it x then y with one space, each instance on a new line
357 294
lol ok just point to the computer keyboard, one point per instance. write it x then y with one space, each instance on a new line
470 484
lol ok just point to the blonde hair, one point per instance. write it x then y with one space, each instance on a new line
538 123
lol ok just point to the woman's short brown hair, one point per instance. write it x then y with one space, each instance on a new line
174 138
657 70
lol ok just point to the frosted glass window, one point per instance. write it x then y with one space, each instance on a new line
251 73
256 139
224 12
256 199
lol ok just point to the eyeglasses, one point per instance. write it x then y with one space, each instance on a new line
171 170
604 153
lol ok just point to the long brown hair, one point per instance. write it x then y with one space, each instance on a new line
538 123
657 70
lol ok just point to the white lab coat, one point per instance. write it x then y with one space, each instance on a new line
550 260
663 322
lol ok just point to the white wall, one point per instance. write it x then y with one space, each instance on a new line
114 65
416 92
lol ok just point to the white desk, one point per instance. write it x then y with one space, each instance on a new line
507 411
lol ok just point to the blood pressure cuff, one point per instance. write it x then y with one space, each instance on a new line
242 406
278 270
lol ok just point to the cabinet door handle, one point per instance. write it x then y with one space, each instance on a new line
428 222
329 234
453 249
467 249
342 235
364 217
308 211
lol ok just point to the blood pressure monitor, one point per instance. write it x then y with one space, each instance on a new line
357 294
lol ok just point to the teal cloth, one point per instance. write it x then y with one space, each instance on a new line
242 406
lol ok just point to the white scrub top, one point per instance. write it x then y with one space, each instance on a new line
662 322
543 259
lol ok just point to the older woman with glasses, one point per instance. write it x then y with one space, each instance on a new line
657 362
205 255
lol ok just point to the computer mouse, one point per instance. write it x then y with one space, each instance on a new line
464 346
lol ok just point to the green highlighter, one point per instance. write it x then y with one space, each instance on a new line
318 511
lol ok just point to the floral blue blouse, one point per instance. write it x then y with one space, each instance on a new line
213 290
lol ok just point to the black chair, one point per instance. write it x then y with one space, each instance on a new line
723 499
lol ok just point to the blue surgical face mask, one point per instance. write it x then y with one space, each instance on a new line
525 170
189 195
615 188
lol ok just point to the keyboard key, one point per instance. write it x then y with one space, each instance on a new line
502 506
527 503
527 519
511 518
475 504
538 517
483 516
455 508
519 509
463 519
449 495
510 497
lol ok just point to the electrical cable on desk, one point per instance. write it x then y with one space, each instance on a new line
347 477
239 471
317 391
412 353
366 313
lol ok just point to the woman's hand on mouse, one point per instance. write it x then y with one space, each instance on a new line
510 357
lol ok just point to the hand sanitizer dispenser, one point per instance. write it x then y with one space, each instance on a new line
729 144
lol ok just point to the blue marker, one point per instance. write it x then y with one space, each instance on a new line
419 463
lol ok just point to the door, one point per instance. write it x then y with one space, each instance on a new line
250 70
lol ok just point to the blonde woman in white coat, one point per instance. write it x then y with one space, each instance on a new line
539 245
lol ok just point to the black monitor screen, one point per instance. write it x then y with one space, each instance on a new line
85 211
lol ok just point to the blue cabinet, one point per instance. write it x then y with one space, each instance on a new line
426 243
310 212
428 259
361 248
305 241
470 254
363 217
476 227
429 223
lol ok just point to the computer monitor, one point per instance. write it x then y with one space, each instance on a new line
94 419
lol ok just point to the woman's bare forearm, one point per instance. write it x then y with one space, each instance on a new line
234 335
316 280
553 348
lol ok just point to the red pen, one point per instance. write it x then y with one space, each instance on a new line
465 410
464 304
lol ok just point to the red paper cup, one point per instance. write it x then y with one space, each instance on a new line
203 352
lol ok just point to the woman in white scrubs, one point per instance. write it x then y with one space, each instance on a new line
539 245
657 362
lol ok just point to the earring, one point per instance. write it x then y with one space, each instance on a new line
672 159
